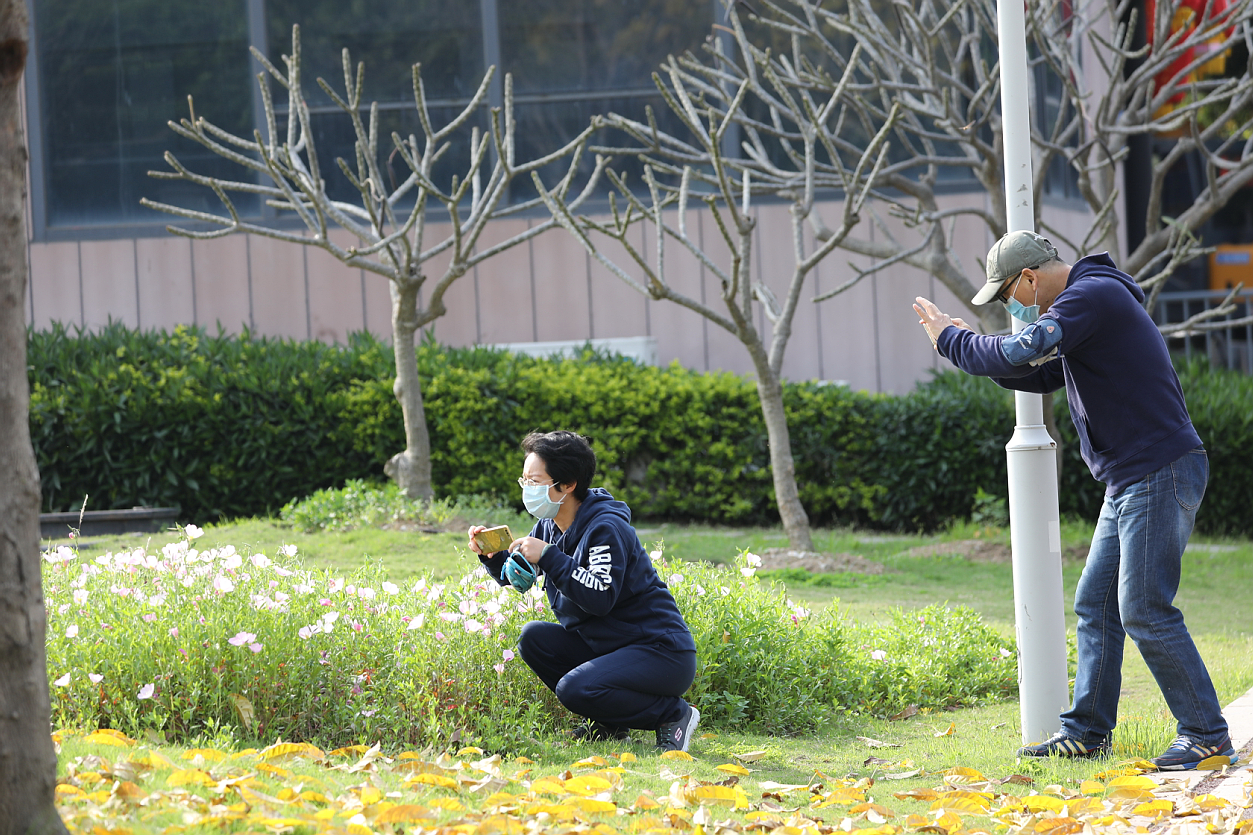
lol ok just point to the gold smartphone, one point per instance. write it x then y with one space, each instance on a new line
494 539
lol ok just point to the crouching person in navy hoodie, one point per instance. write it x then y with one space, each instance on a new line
620 654
1088 332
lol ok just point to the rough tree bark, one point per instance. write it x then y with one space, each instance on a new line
28 761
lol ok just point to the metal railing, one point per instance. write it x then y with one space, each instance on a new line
1226 340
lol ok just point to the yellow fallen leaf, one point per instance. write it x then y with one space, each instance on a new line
587 784
749 756
732 797
190 777
1213 763
109 737
1085 806
1209 802
875 808
275 771
1133 781
553 810
1043 803
283 750
916 794
209 755
644 802
469 749
676 755
244 710
448 804
548 785
844 796
1091 787
1155 809
523 760
66 790
885 829
958 805
591 762
349 751
129 792
1059 826
1129 794
589 805
732 768
152 759
370 795
311 796
430 779
961 773
949 731
408 813
626 757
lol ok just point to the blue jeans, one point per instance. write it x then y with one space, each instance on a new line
1128 588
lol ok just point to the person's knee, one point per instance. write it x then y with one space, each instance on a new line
574 694
531 641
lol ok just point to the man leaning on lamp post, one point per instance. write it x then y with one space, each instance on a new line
1089 332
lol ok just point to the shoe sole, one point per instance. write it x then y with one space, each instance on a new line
1191 766
691 726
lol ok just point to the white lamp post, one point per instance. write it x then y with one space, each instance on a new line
1034 520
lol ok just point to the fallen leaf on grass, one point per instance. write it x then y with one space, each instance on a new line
877 743
876 761
732 768
903 775
911 710
951 730
749 756
676 755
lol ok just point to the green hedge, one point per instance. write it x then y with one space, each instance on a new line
228 426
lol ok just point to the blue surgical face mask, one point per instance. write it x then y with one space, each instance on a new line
535 498
1020 311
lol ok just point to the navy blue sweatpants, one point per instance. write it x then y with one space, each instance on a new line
639 686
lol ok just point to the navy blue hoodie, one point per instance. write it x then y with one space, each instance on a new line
1098 341
600 582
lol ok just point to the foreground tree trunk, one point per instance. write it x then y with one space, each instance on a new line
782 465
28 761
410 469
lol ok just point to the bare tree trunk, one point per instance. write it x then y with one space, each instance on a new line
782 466
410 469
28 761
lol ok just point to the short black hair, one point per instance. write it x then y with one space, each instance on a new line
567 456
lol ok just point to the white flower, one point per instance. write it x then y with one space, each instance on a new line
95 679
80 596
192 532
753 560
336 584
391 588
655 555
232 562
62 681
1005 653
146 692
748 571
223 585
287 550
675 579
472 625
306 632
282 572
878 655
260 560
416 623
366 593
72 631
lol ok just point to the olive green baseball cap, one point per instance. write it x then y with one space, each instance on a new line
1013 253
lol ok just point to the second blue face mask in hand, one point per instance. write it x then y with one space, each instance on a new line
519 572
535 498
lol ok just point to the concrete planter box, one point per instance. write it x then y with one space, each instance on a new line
97 522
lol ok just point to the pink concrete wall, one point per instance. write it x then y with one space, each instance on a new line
544 289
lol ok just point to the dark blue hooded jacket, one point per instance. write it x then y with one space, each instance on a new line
600 582
1098 341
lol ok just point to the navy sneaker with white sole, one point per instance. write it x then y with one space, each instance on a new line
1060 745
676 736
1185 755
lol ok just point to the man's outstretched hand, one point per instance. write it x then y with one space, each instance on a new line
934 320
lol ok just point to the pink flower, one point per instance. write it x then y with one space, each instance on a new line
357 627
62 681
95 679
146 692
878 655
324 602
255 647
222 585
71 631
149 618
174 632
241 638
305 633
509 656
499 668
440 636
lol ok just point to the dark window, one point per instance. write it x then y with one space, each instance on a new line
111 76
